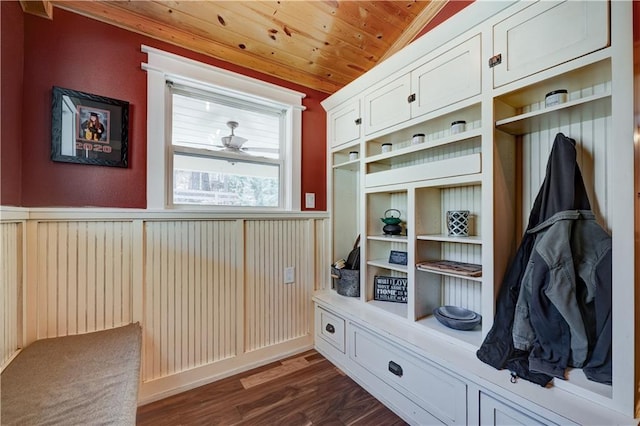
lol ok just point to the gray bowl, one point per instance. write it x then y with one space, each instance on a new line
457 318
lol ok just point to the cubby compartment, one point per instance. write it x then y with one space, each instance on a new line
383 203
585 117
345 202
342 158
432 207
588 96
457 159
433 290
373 270
437 132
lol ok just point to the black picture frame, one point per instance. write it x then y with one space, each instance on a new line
398 257
390 289
89 129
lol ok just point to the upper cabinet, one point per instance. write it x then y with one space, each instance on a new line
546 34
449 75
345 123
448 78
387 105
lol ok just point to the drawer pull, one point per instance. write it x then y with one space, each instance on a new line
330 328
395 368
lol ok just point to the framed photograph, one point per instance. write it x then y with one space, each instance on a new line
89 129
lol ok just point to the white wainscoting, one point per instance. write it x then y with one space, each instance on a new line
11 261
208 291
84 276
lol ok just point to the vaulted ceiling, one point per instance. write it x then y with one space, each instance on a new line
319 44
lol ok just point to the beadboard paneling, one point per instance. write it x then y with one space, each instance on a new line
10 289
201 287
275 311
84 277
592 136
193 285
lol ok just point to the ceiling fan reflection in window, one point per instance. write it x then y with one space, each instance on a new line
234 143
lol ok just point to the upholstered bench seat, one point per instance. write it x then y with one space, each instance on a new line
83 379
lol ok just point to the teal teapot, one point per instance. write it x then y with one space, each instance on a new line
391 222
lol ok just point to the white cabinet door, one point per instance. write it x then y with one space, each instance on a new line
449 78
344 123
387 105
546 34
500 413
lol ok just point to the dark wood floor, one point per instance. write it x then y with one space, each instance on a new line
302 390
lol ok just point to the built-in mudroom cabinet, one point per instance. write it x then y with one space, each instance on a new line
458 126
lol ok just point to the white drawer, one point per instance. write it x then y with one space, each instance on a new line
439 393
494 412
330 328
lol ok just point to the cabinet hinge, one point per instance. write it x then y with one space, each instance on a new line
358 121
495 60
411 98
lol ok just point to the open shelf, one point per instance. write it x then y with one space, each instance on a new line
594 106
390 238
455 168
473 338
447 239
399 309
410 149
352 165
577 382
450 274
383 263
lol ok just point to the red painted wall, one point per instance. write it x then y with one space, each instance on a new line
450 9
78 53
11 59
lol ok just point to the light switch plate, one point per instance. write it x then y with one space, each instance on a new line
310 200
289 275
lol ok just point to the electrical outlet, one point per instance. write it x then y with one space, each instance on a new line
310 200
289 274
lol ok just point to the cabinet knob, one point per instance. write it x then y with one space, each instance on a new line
330 328
358 121
395 368
411 98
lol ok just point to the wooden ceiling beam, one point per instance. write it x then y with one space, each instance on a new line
41 8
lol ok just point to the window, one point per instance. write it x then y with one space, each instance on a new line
226 152
226 141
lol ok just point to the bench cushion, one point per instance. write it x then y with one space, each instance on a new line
82 379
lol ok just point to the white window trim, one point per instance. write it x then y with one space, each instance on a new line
162 66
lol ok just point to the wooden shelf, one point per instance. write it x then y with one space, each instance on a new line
471 338
447 239
449 274
353 165
455 168
384 263
595 106
390 238
399 309
469 134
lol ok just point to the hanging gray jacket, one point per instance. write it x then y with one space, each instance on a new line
568 269
563 189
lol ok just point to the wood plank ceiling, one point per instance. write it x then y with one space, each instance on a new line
318 44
